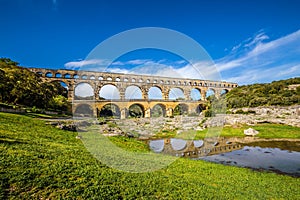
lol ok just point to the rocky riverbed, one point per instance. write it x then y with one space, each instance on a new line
278 115
147 127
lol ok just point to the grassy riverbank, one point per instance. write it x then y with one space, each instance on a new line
266 130
39 161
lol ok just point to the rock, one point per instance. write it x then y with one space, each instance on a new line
130 135
250 132
79 137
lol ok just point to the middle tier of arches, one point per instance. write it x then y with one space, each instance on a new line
112 91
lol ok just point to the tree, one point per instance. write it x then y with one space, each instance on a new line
19 86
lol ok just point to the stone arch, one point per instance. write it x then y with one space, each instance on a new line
62 83
181 109
136 110
155 92
67 75
157 145
64 89
92 77
196 94
83 91
58 75
109 91
178 144
110 110
176 93
84 76
210 92
224 92
200 108
158 110
76 76
83 110
40 74
49 74
133 92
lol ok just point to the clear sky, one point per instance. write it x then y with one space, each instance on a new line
250 41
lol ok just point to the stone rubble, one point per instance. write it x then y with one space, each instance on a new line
148 127
279 115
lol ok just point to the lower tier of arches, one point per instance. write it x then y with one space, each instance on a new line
127 109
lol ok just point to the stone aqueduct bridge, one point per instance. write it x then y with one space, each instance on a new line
97 80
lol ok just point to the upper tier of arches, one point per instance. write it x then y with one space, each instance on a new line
129 78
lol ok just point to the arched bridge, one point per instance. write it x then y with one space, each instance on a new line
187 94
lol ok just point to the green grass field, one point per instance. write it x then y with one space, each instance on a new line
266 130
38 161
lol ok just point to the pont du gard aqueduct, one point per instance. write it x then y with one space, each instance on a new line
143 83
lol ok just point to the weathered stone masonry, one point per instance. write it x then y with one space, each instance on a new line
121 81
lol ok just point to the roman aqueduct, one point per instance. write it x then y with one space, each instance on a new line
142 83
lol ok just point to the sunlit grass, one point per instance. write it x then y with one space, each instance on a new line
265 131
38 161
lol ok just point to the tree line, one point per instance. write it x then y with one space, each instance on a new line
276 93
19 86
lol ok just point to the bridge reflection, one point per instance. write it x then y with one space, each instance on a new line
192 148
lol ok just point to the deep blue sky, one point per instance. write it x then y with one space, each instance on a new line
51 33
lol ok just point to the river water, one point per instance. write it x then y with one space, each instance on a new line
277 156
271 159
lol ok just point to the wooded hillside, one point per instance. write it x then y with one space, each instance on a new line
282 93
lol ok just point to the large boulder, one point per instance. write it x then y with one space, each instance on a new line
250 132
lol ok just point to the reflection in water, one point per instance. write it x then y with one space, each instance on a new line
258 156
157 145
198 143
273 159
178 144
190 148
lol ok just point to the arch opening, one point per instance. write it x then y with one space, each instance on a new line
84 77
210 92
200 108
154 93
49 75
84 91
61 87
110 111
67 76
83 110
58 75
181 109
178 144
136 111
176 94
158 110
195 94
133 92
109 92
224 92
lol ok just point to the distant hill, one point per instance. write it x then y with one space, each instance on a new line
282 93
